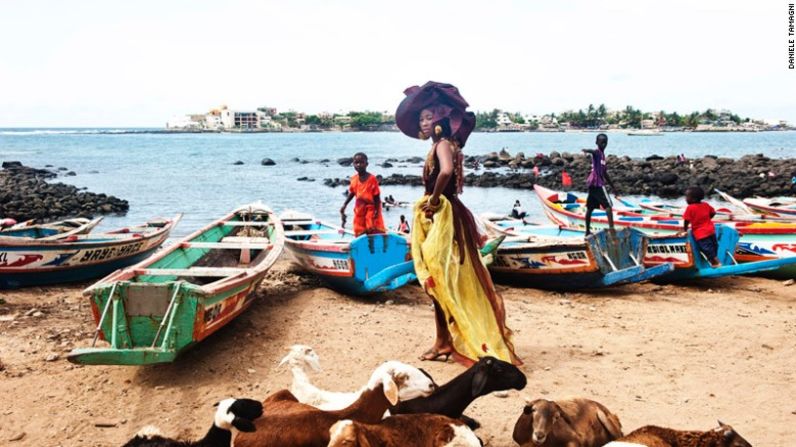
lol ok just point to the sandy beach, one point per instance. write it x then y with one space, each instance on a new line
674 355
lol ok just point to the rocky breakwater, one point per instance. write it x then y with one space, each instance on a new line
26 194
750 175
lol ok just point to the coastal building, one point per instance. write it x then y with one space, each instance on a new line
503 119
182 122
231 119
269 111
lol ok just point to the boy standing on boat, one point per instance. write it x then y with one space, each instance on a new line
698 214
596 181
367 209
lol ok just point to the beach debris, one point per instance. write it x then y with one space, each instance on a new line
17 437
9 317
106 423
788 283
501 394
52 358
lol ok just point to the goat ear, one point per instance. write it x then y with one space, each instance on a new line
244 425
390 389
562 414
479 382
528 409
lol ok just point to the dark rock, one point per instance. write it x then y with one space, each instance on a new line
386 165
12 164
667 178
71 174
295 159
267 162
345 161
654 157
62 169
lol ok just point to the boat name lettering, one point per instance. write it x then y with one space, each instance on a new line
666 248
576 255
340 264
212 312
3 258
100 254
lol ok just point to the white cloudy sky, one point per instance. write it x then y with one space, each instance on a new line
137 63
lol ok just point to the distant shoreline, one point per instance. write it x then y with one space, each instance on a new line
21 131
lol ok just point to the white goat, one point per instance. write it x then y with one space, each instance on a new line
301 357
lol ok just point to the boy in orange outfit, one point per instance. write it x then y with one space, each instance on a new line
367 209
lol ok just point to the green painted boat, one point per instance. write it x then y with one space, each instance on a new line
154 310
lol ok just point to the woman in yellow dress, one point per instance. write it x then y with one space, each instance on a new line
469 314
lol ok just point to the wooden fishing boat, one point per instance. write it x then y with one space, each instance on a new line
29 230
27 261
154 310
777 207
551 257
569 209
689 263
666 210
354 265
758 240
737 203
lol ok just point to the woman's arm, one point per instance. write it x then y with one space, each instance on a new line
445 156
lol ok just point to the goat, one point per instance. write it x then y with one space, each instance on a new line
416 430
566 423
652 436
487 375
291 423
302 357
236 414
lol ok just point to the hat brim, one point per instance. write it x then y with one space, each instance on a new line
447 103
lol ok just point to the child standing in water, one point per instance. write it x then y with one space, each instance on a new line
698 214
367 209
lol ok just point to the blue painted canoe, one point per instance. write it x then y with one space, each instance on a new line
549 257
689 263
31 261
354 265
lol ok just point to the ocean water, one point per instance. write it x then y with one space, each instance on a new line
194 174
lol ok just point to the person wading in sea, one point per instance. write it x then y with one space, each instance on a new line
470 315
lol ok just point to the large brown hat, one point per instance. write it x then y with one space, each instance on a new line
446 104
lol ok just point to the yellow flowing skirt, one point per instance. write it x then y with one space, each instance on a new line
475 329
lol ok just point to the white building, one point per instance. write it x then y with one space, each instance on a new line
503 119
182 122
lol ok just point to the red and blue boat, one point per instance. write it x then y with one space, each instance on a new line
354 265
41 254
556 258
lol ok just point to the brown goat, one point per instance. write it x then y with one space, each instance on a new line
566 423
652 436
416 430
288 422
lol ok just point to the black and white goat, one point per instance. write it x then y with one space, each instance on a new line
451 399
232 414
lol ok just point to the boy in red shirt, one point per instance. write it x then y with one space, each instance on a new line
367 208
698 214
